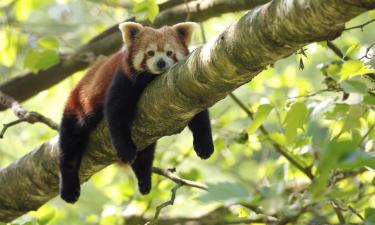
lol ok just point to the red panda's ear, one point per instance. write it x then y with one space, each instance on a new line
129 31
185 31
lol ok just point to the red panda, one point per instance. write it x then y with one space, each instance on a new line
111 89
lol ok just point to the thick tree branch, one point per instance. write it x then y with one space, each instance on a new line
26 86
261 37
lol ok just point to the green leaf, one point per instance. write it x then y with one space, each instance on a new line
295 119
44 215
369 100
352 68
334 70
36 60
48 43
351 50
153 11
354 86
23 9
370 216
352 120
149 8
340 110
225 192
330 156
259 117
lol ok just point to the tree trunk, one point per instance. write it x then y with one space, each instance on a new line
260 38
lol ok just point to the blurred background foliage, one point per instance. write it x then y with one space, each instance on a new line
316 107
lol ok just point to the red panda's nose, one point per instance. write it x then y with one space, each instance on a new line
161 64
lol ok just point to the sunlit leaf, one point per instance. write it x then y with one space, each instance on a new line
48 43
352 68
259 117
350 50
243 212
150 9
44 215
295 119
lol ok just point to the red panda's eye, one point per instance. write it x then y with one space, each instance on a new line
150 53
169 53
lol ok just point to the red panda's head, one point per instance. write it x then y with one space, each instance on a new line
156 50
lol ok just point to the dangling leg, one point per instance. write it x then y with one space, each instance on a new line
201 128
119 109
142 167
73 142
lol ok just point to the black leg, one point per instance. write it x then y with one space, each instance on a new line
201 128
73 141
142 167
119 110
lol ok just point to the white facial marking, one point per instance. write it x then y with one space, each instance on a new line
137 60
152 62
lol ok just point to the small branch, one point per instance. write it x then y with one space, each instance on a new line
367 56
165 204
338 212
179 183
311 95
336 50
170 175
366 135
8 125
23 115
360 26
356 212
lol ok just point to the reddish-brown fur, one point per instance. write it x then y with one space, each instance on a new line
90 91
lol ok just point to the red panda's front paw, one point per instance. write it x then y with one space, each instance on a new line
144 187
204 149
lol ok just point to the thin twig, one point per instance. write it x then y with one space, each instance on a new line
23 115
368 49
310 95
7 125
165 204
356 212
361 26
367 134
170 175
338 212
180 182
